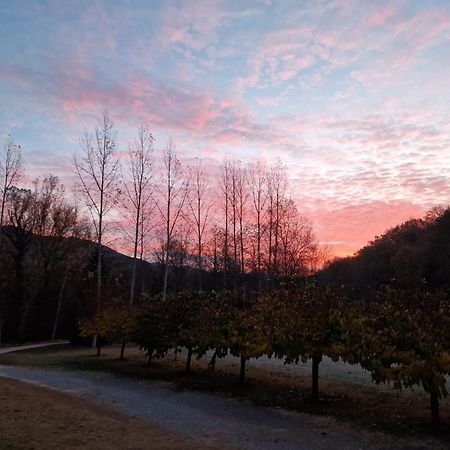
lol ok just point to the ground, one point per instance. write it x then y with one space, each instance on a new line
34 417
351 405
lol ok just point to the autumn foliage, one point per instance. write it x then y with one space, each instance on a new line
401 337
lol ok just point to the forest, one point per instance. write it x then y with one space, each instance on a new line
146 249
413 255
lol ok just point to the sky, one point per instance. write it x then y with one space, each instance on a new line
352 96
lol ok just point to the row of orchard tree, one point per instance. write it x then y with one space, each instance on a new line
145 202
400 337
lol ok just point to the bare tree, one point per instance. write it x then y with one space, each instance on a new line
321 256
173 193
238 198
297 246
277 187
11 165
225 188
200 204
258 186
233 188
234 203
242 197
98 168
139 190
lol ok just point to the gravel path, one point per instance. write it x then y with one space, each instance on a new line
16 348
240 424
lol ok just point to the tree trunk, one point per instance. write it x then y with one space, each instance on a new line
2 213
212 363
315 378
166 277
150 355
189 359
133 278
259 251
200 268
133 285
122 348
434 408
95 339
242 371
99 351
136 244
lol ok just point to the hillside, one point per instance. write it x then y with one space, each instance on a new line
38 272
414 254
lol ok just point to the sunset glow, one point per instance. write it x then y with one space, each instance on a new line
353 96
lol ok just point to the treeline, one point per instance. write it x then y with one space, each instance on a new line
401 337
42 246
413 255
238 230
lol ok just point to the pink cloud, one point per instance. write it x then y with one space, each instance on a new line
380 43
383 13
192 25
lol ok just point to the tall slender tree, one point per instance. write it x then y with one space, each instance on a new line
242 197
225 187
138 187
277 187
173 192
11 166
258 186
98 171
200 204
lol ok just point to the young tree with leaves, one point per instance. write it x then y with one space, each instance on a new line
116 322
403 337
